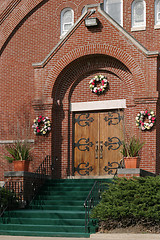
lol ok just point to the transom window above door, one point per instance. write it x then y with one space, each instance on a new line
67 20
115 9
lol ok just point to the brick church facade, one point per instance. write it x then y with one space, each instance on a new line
50 50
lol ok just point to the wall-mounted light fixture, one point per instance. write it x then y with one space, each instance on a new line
91 22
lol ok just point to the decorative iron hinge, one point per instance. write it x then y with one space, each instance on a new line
110 167
112 119
83 144
84 121
86 169
113 143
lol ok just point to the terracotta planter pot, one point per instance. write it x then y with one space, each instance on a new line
131 162
21 165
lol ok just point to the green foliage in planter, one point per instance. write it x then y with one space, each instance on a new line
131 147
134 200
20 150
7 198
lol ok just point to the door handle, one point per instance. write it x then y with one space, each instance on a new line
101 149
96 150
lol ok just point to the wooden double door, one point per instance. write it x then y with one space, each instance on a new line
97 142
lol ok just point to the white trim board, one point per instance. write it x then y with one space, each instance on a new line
98 105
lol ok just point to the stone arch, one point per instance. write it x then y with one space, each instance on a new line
93 49
78 70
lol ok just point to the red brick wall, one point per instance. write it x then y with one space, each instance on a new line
29 33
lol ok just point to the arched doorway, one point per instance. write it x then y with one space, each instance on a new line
71 143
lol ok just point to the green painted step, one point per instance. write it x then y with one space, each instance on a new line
59 197
44 234
70 183
42 228
65 193
46 214
58 207
74 180
66 188
43 221
58 211
60 202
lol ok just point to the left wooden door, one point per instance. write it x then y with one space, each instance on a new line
85 149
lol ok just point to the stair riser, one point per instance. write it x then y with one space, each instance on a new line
67 193
43 221
45 234
42 228
61 202
77 182
69 185
62 188
69 182
61 207
42 214
61 197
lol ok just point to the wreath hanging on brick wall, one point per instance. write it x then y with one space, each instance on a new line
140 120
98 84
41 126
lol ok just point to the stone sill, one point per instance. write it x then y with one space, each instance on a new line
135 171
18 174
22 174
135 29
157 26
14 141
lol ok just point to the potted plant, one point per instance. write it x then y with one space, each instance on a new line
19 155
130 152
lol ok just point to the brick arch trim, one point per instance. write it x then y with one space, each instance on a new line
16 16
92 49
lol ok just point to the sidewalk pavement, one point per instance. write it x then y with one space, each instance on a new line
98 236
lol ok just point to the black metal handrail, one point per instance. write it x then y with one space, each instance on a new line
18 194
92 200
44 170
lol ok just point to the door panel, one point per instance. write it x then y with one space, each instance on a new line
84 144
111 135
97 142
